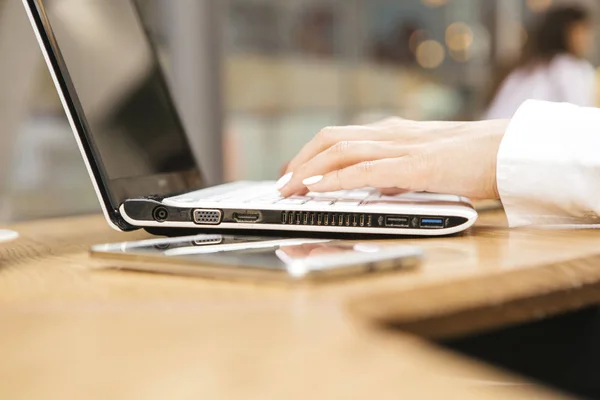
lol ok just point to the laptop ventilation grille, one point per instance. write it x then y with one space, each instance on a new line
326 219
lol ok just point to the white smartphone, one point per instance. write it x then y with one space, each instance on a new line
268 258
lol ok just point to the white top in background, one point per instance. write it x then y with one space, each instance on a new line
564 79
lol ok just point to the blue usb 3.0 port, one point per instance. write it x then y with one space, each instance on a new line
432 222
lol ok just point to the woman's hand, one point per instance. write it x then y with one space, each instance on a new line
439 157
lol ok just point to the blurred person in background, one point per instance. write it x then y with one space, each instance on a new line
553 66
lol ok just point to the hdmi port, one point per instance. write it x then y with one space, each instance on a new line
246 218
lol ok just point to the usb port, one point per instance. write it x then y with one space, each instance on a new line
432 222
397 222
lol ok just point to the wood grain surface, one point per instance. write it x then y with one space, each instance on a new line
76 327
502 277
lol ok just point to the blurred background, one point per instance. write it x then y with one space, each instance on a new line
259 78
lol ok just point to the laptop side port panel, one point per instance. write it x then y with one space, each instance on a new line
154 211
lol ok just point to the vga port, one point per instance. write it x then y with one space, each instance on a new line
208 217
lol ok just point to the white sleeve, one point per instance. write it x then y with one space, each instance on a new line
548 167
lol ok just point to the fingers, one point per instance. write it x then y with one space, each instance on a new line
405 172
393 129
339 156
442 157
332 135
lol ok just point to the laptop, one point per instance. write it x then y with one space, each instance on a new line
111 85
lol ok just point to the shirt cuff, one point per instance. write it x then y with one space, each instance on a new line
548 168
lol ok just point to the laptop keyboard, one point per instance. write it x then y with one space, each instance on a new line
265 194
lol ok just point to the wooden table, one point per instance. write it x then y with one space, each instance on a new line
72 327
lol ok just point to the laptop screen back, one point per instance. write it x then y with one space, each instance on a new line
132 128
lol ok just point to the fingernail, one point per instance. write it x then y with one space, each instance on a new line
284 180
313 180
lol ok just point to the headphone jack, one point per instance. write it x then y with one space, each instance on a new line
160 214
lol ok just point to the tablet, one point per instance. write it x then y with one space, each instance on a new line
263 258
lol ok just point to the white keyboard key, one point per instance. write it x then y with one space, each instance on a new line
294 201
358 194
383 205
272 198
320 202
267 200
347 203
337 195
